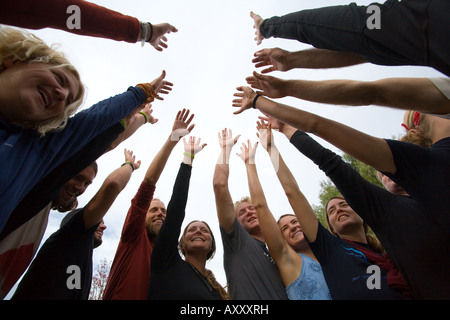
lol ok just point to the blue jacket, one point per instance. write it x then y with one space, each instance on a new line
25 157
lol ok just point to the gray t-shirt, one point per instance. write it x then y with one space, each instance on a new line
250 270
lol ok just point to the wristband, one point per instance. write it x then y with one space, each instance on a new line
145 116
128 162
151 32
189 155
143 33
254 101
148 91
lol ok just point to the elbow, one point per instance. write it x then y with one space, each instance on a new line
219 185
113 185
291 192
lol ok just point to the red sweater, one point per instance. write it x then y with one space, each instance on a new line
130 271
95 20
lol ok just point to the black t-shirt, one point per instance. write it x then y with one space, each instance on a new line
62 269
414 240
345 269
172 278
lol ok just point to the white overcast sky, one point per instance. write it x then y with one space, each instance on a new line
206 60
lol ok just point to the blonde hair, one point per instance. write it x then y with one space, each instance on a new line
372 240
22 46
209 274
241 201
418 129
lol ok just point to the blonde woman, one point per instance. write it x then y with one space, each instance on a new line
299 269
40 91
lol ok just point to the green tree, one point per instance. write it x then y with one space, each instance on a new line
329 190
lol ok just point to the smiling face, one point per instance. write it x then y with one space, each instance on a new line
246 216
197 238
98 234
292 232
156 215
36 92
341 217
74 188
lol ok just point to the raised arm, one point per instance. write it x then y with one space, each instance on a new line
276 59
400 93
95 210
224 202
297 200
288 261
94 20
166 245
181 127
368 149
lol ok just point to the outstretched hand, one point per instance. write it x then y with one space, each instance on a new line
193 145
266 85
274 123
246 95
277 59
181 126
248 152
257 20
264 134
226 140
129 157
161 86
147 109
158 39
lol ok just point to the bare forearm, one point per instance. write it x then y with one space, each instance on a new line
224 202
322 58
159 162
371 150
297 200
336 92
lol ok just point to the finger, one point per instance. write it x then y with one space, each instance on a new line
191 127
269 69
239 111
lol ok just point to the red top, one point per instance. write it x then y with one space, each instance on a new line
95 20
130 271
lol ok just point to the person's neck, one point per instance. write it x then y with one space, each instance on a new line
308 252
355 236
440 128
199 263
258 236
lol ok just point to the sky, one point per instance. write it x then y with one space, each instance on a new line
206 60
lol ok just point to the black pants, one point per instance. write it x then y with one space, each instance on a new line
412 32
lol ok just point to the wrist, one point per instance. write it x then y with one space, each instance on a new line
146 33
188 158
255 99
145 116
131 165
